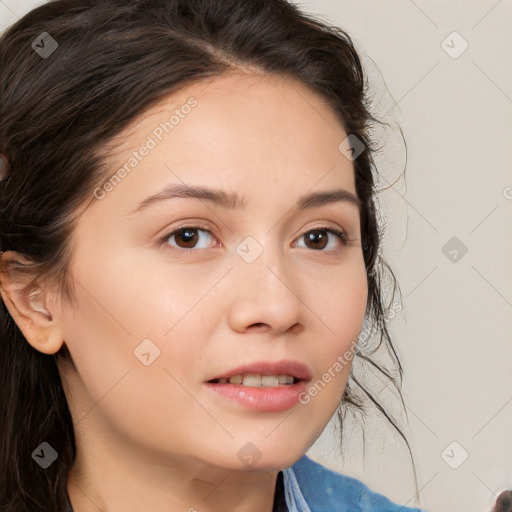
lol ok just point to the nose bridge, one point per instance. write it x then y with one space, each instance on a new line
263 261
264 291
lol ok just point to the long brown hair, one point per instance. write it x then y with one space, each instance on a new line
100 64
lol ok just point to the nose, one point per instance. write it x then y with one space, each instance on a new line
265 296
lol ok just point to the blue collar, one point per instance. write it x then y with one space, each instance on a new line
311 487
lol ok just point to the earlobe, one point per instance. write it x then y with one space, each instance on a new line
28 306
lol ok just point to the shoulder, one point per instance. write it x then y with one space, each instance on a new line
311 487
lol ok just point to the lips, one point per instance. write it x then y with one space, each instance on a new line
286 367
263 397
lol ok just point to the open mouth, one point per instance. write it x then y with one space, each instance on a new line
267 386
258 380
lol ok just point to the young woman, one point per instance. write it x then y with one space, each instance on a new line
190 250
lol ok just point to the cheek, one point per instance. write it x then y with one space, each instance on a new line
112 385
341 300
342 308
100 345
119 306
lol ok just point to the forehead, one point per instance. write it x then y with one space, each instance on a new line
257 133
237 106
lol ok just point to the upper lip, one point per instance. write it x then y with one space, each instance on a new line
284 367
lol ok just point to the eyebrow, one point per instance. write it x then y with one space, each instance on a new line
231 200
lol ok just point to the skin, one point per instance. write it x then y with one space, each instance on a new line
153 437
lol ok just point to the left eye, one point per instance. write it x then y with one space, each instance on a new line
186 235
186 238
317 237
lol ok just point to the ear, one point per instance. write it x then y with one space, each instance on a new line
30 305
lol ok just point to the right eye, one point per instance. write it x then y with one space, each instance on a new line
187 238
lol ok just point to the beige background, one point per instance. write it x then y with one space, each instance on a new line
454 334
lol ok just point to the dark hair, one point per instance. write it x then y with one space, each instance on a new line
114 60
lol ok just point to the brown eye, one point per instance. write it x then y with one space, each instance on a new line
187 237
318 239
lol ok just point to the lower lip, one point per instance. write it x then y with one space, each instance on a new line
268 399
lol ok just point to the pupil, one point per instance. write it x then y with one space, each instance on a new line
315 233
188 236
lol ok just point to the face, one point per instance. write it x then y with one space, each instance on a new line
187 289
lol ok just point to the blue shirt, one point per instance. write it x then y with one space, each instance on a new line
311 487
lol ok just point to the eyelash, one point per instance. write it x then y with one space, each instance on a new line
340 234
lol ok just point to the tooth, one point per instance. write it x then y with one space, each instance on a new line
269 380
252 379
257 380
